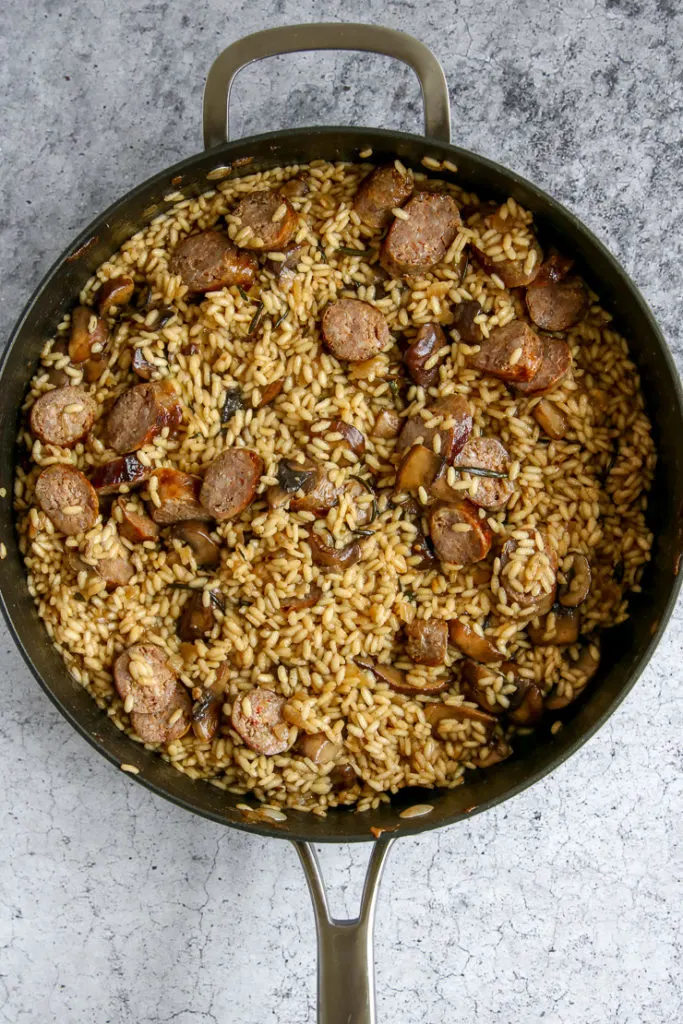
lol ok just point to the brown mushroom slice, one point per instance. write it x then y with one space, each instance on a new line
455 411
271 391
196 620
387 425
308 600
141 367
349 434
320 495
513 273
551 419
557 306
422 550
477 680
464 316
178 497
418 468
587 664
134 526
206 716
342 777
398 680
88 331
554 268
579 578
318 748
257 717
556 364
436 713
197 536
496 752
117 291
559 628
471 643
458 534
526 703
126 471
169 724
511 353
527 598
420 356
427 641
331 557
143 677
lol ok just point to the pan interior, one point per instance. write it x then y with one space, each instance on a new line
626 648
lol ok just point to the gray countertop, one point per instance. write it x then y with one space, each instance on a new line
563 905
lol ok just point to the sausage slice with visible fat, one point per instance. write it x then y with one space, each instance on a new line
555 365
354 330
141 413
270 216
557 306
172 723
452 542
142 673
427 641
68 498
209 261
257 717
379 193
134 526
230 483
178 494
487 453
63 416
111 476
511 353
416 244
456 412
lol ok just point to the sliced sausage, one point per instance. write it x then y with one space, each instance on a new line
87 330
456 412
179 496
513 273
489 455
555 365
427 641
132 525
117 291
452 542
209 260
67 498
142 673
257 717
379 193
556 307
230 483
196 535
63 416
429 340
116 572
197 620
511 353
354 330
141 413
417 244
464 315
168 725
111 476
271 217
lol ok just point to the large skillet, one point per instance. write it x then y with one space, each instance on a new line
345 969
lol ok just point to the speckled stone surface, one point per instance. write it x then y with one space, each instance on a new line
565 904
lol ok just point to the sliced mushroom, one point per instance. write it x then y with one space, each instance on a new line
398 680
87 332
498 751
387 425
587 665
271 391
117 291
526 703
308 600
423 550
551 419
577 588
206 715
318 748
141 367
196 620
436 713
418 468
331 557
349 434
197 536
559 628
477 682
342 777
427 640
472 643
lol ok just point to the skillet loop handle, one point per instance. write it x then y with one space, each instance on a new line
346 985
324 36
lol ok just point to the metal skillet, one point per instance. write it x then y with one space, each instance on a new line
345 981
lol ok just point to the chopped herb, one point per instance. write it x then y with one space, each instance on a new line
479 471
322 252
78 596
611 463
217 601
242 292
280 319
255 319
409 595
465 268
353 252
291 479
232 403
165 315
619 572
364 533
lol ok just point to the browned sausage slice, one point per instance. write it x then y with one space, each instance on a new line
556 364
457 416
270 216
379 193
67 498
170 724
429 340
427 641
354 330
111 476
555 267
87 330
179 496
63 416
142 673
257 717
209 261
132 525
141 413
555 307
417 244
230 483
458 534
513 273
512 353
487 453
116 572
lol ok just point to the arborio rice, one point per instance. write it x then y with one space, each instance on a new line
331 598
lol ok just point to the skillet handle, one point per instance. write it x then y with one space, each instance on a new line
325 36
346 983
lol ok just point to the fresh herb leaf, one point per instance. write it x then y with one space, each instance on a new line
618 573
322 252
291 479
231 404
280 319
255 319
242 292
480 471
346 251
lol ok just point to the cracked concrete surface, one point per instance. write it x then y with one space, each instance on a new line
562 906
